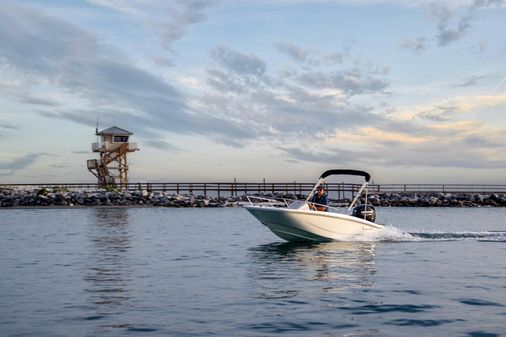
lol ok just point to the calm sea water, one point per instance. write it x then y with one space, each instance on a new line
219 272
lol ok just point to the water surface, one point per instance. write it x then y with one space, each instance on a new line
198 272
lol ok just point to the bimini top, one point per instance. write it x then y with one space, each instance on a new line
114 130
346 172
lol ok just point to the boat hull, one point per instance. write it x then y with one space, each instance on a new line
307 225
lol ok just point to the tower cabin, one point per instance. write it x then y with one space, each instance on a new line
112 167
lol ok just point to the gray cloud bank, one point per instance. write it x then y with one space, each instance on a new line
40 48
243 98
10 167
292 102
454 153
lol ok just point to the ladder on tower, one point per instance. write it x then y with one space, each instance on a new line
100 170
113 156
98 167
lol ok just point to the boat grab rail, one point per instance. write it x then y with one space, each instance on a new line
274 202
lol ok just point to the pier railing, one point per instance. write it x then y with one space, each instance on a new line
237 188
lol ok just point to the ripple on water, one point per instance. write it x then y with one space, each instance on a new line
422 322
93 318
283 327
383 308
408 291
132 327
478 302
482 334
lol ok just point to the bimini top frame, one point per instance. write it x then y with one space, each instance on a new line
364 174
327 173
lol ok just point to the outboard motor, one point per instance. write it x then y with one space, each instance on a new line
368 214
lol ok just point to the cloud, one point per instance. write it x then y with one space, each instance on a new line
335 57
307 56
450 108
299 54
447 34
225 82
375 135
27 99
189 12
8 168
454 20
237 62
327 156
288 104
103 80
480 102
433 135
161 145
21 162
53 43
351 82
417 45
448 31
439 113
7 125
457 145
470 81
60 166
171 18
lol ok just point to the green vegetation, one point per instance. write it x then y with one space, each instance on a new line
43 191
110 188
60 189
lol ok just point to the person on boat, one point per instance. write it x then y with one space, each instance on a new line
319 198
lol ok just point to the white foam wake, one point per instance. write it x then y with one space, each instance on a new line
394 234
388 233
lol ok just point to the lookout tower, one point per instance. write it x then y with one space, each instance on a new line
113 146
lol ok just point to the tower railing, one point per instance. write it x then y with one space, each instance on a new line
105 146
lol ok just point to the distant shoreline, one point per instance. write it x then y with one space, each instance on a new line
61 198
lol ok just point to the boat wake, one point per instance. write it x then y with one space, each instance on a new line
394 234
485 236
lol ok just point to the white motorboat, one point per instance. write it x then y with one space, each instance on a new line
299 220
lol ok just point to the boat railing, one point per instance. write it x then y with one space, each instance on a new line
268 201
289 202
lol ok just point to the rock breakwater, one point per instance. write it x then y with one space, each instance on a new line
437 199
62 198
50 197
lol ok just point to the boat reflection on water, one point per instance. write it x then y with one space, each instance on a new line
108 273
282 270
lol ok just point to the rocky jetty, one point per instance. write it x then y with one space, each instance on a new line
62 198
437 199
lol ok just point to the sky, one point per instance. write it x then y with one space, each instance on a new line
410 91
